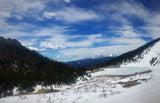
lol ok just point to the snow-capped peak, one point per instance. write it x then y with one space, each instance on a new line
110 55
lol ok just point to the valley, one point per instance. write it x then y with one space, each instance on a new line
132 81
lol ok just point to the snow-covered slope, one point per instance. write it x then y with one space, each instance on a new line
150 57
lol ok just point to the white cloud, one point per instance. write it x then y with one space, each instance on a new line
127 32
20 8
128 41
154 20
58 56
58 41
49 15
51 45
123 10
55 38
28 42
89 40
4 14
72 15
152 31
81 53
133 9
67 1
34 48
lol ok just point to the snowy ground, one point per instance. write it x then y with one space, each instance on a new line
123 70
144 93
99 89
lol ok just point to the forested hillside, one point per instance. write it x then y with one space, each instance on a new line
24 68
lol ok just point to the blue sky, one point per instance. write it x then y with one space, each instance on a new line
67 30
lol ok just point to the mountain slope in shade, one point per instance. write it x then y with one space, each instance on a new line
24 68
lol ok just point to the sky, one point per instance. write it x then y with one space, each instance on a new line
67 30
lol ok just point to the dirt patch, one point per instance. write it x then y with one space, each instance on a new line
125 76
46 91
41 91
129 83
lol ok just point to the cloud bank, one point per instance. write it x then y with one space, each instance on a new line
67 30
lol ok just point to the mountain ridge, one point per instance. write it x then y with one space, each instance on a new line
24 69
130 55
127 57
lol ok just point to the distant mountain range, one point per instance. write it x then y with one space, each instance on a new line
90 61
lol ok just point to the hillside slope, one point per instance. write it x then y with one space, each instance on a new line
137 54
24 68
133 56
150 57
